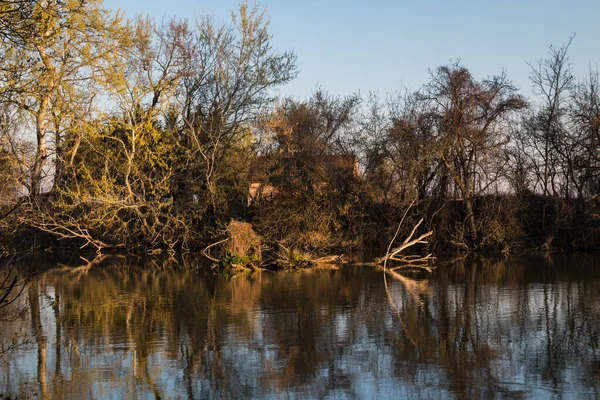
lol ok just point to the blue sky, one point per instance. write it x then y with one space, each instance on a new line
347 46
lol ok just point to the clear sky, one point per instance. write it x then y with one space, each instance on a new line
347 46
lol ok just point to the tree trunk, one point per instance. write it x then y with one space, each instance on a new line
470 219
41 120
42 147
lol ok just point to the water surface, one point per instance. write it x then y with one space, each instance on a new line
473 328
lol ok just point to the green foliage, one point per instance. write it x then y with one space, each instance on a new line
236 260
297 260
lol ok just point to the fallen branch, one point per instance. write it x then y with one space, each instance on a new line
415 262
414 259
328 260
408 242
205 251
285 258
68 228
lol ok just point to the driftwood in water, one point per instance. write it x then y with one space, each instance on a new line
329 260
415 288
395 254
407 261
285 258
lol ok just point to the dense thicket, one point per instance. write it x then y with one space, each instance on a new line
120 133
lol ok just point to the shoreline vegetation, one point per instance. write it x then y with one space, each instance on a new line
125 135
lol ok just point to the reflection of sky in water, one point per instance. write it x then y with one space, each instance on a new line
516 328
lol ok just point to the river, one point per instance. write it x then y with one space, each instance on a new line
519 327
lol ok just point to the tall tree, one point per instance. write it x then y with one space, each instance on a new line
228 77
49 48
544 136
585 136
470 119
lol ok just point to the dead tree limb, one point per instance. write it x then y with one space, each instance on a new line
205 251
68 228
393 254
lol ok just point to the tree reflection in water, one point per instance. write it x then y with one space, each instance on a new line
117 327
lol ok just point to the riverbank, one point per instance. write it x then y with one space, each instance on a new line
508 224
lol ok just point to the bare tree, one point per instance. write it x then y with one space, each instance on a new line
585 124
544 137
471 122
